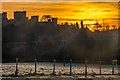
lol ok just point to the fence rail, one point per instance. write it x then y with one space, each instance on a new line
85 68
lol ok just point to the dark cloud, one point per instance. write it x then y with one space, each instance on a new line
107 11
112 18
78 10
71 19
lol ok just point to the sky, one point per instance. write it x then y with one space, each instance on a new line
72 12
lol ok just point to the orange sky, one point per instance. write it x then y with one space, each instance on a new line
68 11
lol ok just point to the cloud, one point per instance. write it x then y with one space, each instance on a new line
66 11
112 19
72 19
107 11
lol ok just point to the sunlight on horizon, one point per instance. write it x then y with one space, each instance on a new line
70 12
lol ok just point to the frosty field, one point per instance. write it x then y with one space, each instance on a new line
46 69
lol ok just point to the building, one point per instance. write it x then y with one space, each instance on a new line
77 26
4 16
54 21
82 26
49 20
20 16
34 19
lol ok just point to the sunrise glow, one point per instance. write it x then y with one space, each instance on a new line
71 12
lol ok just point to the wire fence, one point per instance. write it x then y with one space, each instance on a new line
59 67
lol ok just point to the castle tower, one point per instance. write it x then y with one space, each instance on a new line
54 21
20 15
82 26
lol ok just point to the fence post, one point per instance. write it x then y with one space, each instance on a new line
35 65
118 63
100 67
85 68
70 66
16 72
64 62
54 67
112 67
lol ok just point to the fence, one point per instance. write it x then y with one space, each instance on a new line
56 68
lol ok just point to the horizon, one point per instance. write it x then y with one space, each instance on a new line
65 12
